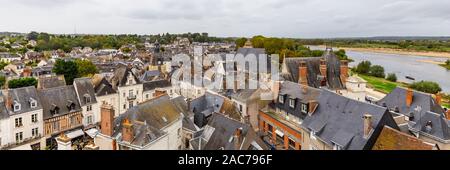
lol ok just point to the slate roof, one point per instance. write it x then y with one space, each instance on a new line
152 85
24 96
120 77
182 106
150 75
148 119
338 120
439 126
84 89
391 139
102 86
313 73
302 95
60 97
51 82
421 101
221 129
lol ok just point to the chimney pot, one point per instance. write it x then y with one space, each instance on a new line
303 73
409 97
127 130
439 98
367 124
107 119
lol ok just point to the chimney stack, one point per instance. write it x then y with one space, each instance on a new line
107 119
344 71
276 89
127 131
323 67
438 98
367 124
303 73
237 138
409 97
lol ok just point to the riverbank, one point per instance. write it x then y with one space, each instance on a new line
397 51
381 84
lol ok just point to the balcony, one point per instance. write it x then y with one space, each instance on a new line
131 97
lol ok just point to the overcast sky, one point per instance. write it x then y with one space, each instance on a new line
280 18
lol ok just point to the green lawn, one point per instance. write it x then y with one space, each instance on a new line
446 105
381 84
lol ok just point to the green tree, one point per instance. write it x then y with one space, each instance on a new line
2 81
3 65
86 68
392 77
67 68
447 62
22 82
240 42
363 67
33 35
426 86
377 71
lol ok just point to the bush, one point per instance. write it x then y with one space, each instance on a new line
363 67
377 71
447 62
426 86
392 77
22 82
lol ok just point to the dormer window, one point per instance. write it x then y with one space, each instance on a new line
87 98
292 103
16 106
70 105
304 108
336 147
54 109
281 99
33 103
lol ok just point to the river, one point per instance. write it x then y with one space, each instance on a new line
418 67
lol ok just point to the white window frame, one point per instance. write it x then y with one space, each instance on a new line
304 108
34 118
17 107
312 135
336 147
280 99
292 103
18 122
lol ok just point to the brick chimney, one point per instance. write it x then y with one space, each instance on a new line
447 114
438 98
107 119
344 71
237 138
409 97
127 131
323 67
276 89
367 118
303 73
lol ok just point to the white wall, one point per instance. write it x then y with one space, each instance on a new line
27 127
112 99
123 99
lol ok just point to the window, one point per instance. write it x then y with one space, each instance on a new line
281 99
123 94
124 106
56 126
146 96
291 144
130 104
336 147
312 135
88 99
18 122
130 93
16 106
89 119
34 132
292 103
89 108
34 118
33 103
130 81
304 108
240 108
19 137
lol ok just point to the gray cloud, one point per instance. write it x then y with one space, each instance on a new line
284 18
